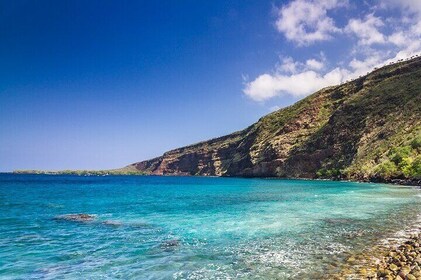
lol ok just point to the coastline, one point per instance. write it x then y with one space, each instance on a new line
412 182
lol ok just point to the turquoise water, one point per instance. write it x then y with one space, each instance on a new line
190 227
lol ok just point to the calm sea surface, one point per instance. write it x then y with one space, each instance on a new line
191 227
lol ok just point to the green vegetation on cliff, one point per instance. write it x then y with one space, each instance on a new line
369 128
402 161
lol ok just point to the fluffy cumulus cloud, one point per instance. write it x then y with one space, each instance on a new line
305 22
315 64
375 40
366 30
267 86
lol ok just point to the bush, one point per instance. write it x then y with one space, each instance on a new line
328 173
399 153
387 169
416 143
416 167
406 166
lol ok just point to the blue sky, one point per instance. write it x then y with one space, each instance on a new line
101 84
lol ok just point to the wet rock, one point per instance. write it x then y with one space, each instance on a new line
392 254
402 263
381 272
402 275
411 277
77 217
351 260
405 270
416 274
354 234
363 272
170 244
393 267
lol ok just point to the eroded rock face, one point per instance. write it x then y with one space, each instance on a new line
77 217
347 127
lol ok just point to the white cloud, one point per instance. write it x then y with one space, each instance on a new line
398 38
374 42
306 21
409 6
361 67
314 64
288 65
416 28
413 48
366 30
267 86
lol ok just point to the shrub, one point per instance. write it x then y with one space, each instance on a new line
387 169
334 172
406 166
399 153
416 167
416 143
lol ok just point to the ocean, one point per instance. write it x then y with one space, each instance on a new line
150 227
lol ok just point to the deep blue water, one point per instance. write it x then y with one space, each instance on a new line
190 227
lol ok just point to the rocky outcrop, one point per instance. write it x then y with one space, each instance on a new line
345 131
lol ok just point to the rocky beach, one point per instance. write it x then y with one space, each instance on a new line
403 262
397 258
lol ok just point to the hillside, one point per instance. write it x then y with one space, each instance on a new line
369 128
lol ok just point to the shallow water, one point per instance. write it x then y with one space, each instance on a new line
191 227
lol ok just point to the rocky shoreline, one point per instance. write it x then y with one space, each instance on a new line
405 182
403 262
395 259
414 182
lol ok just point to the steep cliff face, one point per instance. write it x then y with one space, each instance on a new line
351 131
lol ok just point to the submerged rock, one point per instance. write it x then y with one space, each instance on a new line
354 234
112 223
82 217
339 220
170 244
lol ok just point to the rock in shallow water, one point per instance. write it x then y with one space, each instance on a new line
77 217
112 223
170 244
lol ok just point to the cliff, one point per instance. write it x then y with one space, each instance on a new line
369 128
